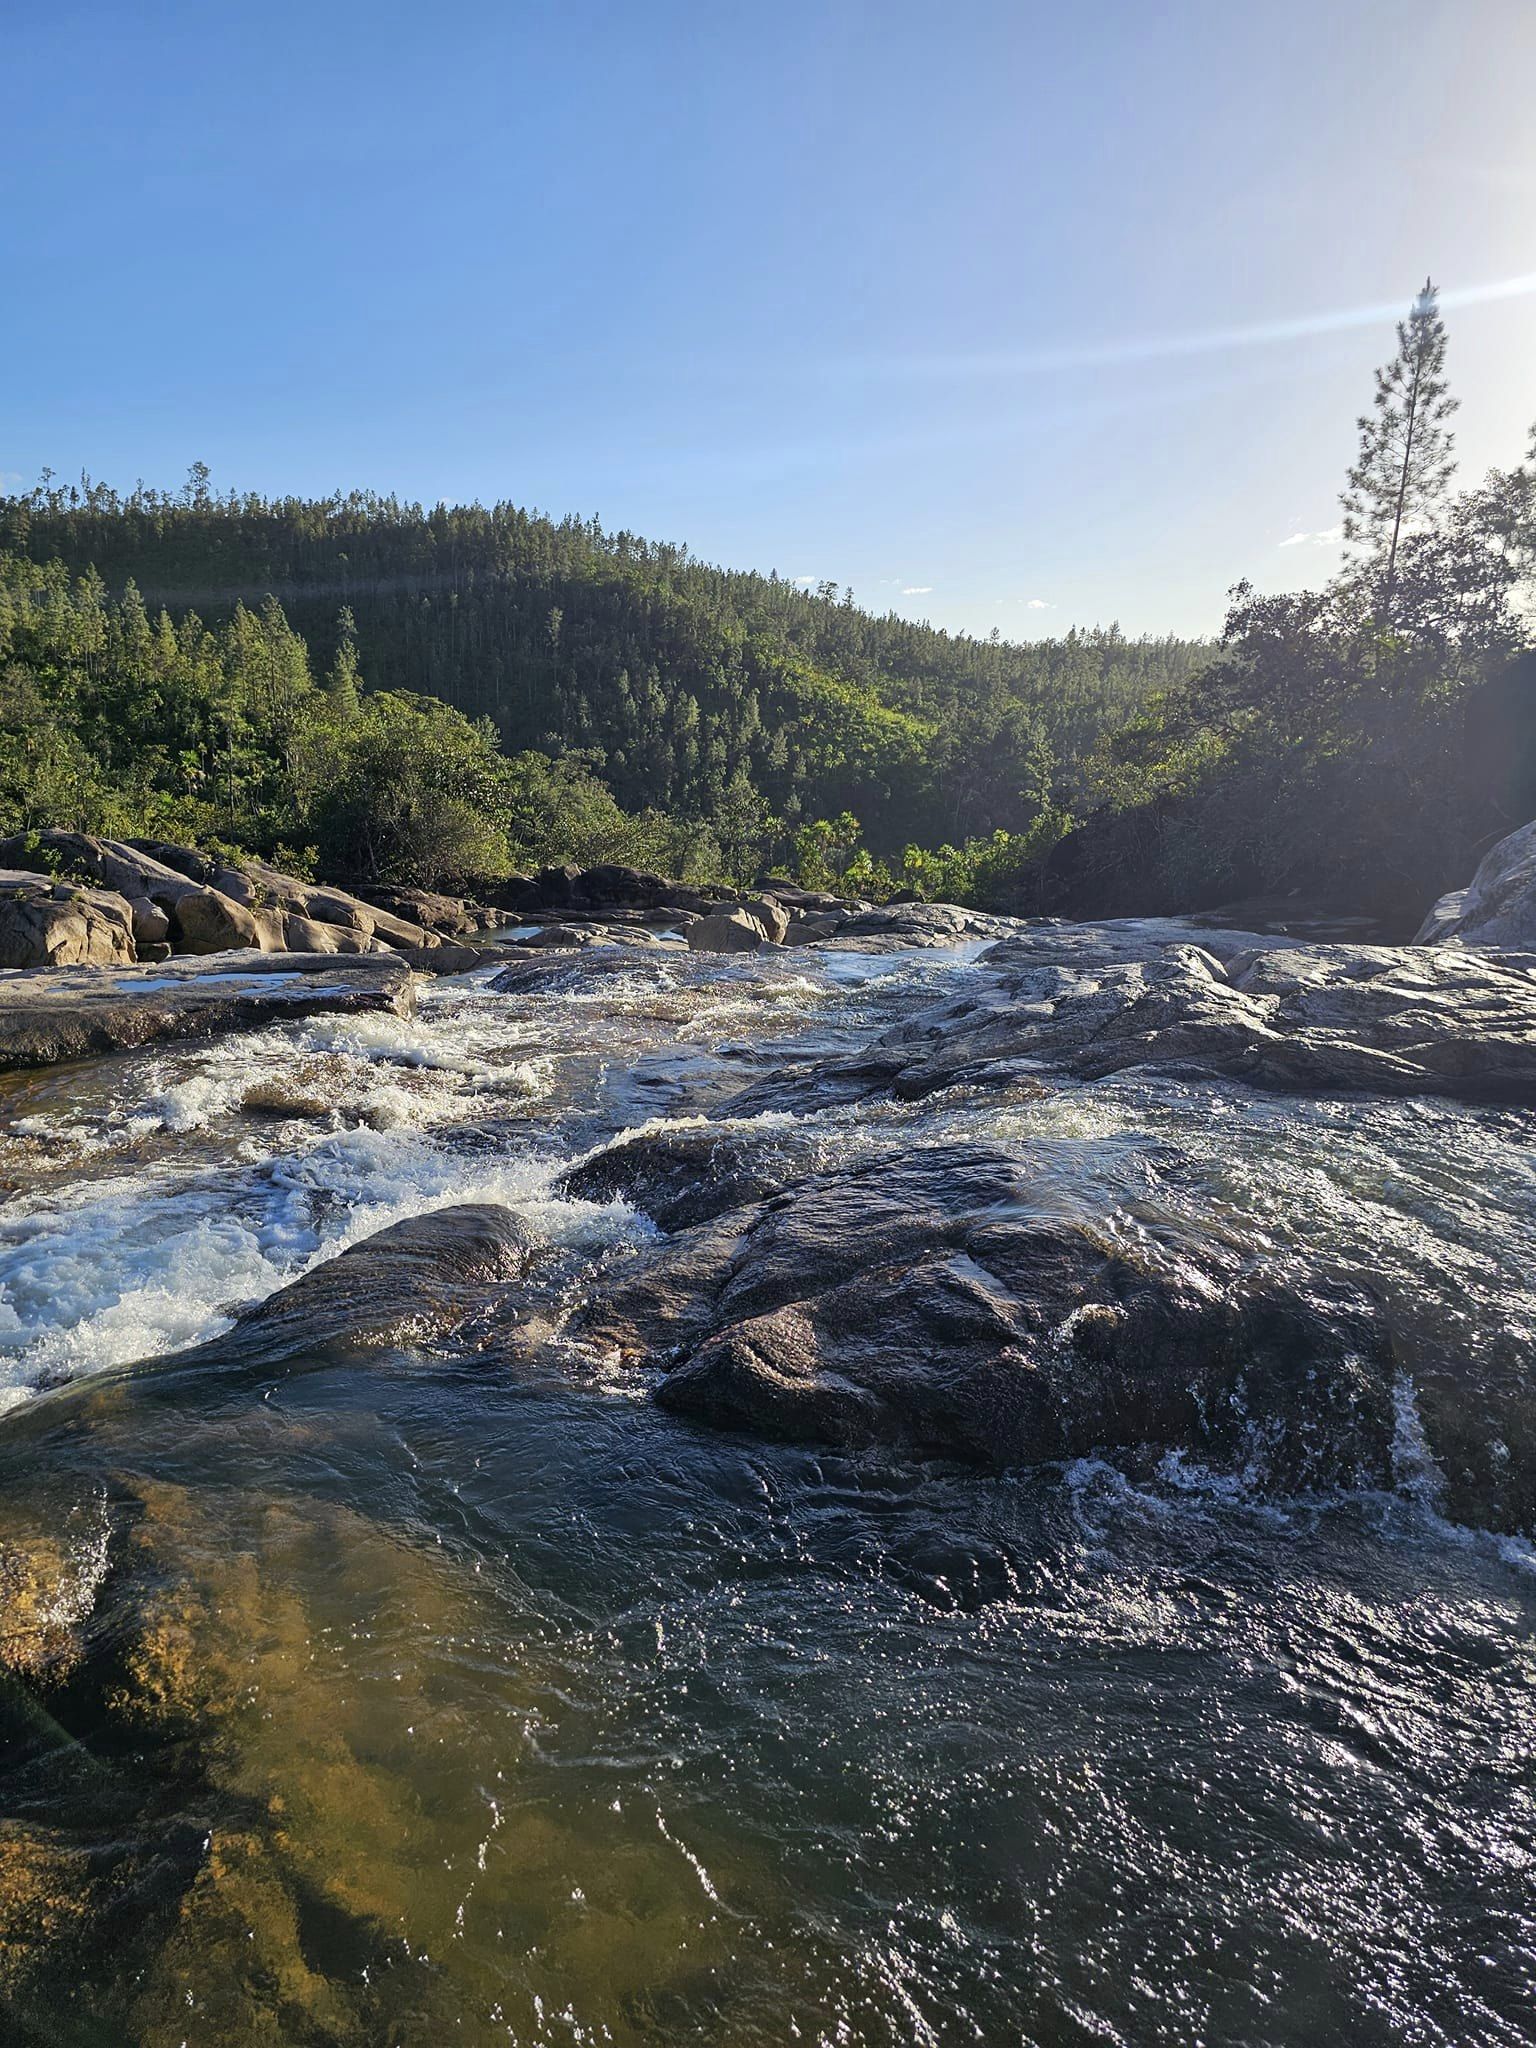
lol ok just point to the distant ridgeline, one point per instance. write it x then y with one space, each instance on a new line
690 688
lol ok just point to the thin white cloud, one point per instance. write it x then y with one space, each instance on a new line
916 589
1036 604
805 582
1103 354
1325 537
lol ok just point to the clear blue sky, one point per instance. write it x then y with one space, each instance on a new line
952 303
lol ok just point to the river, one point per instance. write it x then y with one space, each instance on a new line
462 1694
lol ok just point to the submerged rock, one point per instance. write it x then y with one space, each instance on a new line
944 1303
1498 906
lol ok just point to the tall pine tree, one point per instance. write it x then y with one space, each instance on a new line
1405 460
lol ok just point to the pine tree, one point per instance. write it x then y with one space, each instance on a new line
1405 459
343 685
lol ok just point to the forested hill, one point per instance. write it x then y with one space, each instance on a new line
692 688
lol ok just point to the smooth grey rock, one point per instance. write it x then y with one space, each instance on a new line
1498 906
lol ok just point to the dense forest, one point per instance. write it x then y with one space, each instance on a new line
684 686
382 688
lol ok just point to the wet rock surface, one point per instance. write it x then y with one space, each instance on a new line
1094 1001
687 1174
411 1282
893 927
48 1016
352 1695
542 969
938 1303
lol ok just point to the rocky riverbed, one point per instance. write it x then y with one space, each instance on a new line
947 1481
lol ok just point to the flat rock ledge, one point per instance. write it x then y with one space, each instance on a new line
71 1013
1094 1000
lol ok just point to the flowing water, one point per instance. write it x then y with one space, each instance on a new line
450 1696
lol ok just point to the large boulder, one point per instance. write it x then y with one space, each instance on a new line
735 930
127 869
944 1302
160 877
44 923
151 925
336 907
208 921
770 914
303 935
1498 906
431 909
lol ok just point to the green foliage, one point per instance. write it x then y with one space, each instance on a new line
687 689
412 792
1405 463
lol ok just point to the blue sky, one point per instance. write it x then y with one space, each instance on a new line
1007 315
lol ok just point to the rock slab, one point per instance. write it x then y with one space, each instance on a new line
1498 906
76 1013
1092 1001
